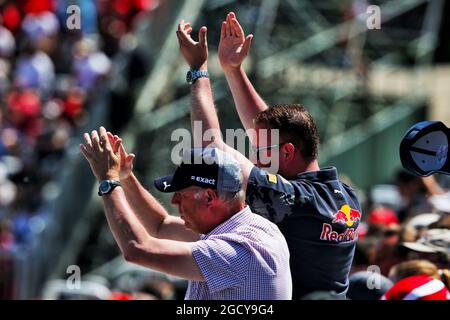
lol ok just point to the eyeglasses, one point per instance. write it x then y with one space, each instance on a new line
257 150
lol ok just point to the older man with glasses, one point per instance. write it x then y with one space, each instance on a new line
224 250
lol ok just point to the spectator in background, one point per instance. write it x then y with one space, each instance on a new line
90 65
442 223
36 7
6 236
441 203
7 47
42 98
10 16
359 288
388 252
35 71
434 246
417 267
364 254
116 18
42 31
74 102
30 217
420 224
418 287
124 12
3 148
156 289
8 190
385 233
6 262
12 144
381 219
24 108
433 186
413 193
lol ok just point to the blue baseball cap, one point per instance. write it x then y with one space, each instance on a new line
206 168
424 148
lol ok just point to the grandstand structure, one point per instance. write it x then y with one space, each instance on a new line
364 87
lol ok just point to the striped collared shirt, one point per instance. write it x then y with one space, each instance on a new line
244 258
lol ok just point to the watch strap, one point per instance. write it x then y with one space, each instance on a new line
112 184
196 74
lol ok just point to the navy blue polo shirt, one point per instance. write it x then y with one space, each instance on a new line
318 215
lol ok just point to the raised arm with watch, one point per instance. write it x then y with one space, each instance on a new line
107 186
193 75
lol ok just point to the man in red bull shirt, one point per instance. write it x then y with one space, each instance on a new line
317 213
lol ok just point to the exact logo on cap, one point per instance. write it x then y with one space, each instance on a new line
204 180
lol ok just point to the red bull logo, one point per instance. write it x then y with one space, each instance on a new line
347 216
329 234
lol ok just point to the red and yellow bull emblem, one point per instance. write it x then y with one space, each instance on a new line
347 216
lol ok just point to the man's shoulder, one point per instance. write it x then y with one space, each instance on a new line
249 224
246 229
261 225
275 197
261 180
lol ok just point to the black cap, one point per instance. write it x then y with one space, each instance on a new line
206 168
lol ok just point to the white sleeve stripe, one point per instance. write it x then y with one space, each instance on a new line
427 289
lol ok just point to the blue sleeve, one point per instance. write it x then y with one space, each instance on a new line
272 196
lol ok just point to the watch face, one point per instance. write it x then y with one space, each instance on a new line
104 187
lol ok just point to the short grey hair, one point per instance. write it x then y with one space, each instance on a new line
231 197
226 196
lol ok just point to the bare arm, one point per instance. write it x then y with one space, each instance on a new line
196 55
233 48
432 186
247 100
136 244
203 108
153 216
172 257
202 104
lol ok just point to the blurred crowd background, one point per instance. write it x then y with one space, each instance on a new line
122 70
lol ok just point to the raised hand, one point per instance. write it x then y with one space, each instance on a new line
126 159
195 53
233 45
97 149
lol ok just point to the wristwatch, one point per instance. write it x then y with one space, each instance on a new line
193 75
106 186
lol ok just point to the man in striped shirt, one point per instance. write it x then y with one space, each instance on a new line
224 250
243 258
239 255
